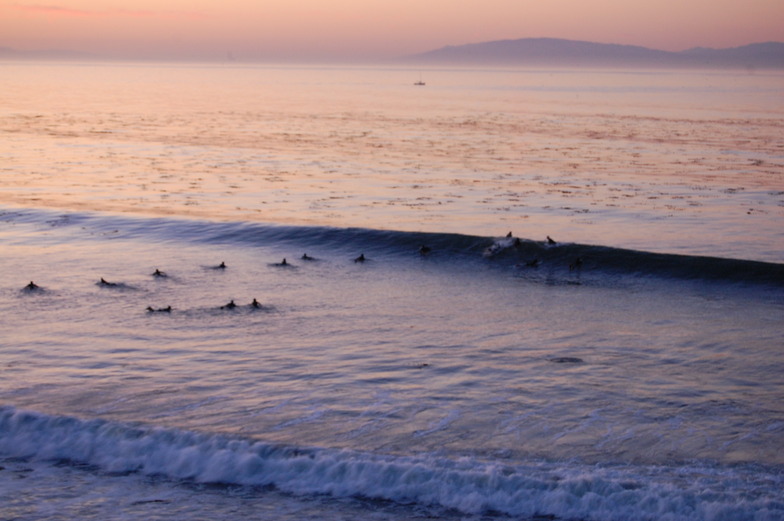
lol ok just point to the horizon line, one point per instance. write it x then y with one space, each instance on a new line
230 55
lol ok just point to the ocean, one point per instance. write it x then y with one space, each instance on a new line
236 291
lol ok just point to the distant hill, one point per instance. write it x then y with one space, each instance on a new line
543 52
757 55
558 52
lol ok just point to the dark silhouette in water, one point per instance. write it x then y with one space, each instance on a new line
255 304
550 240
230 305
32 286
103 282
158 273
566 360
577 264
424 249
307 257
361 258
221 266
509 235
283 264
167 309
533 263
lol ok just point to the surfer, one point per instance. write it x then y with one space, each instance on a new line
361 258
577 264
550 240
167 309
103 282
282 263
255 304
221 266
307 257
230 305
32 286
158 273
424 249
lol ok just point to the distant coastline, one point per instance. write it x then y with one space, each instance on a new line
536 52
560 52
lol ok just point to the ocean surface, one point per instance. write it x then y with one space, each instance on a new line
507 294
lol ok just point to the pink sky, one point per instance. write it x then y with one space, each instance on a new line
366 29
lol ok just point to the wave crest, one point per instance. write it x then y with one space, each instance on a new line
562 490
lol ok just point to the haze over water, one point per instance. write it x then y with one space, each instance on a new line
629 369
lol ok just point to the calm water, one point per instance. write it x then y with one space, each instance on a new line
632 370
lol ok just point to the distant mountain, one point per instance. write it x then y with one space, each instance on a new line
558 52
756 55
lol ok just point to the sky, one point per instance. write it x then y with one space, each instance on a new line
371 29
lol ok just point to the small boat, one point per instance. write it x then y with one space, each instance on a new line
420 82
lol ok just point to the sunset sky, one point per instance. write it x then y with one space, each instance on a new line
368 29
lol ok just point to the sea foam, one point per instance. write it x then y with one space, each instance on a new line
470 485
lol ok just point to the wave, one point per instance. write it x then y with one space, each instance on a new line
527 256
565 490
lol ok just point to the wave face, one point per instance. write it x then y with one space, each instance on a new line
467 485
552 259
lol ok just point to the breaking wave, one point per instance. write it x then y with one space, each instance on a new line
556 490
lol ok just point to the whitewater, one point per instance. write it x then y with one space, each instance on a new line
524 294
